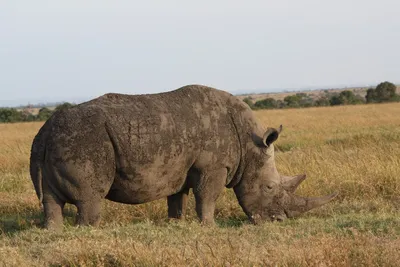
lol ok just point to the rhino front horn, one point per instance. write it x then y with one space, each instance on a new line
300 205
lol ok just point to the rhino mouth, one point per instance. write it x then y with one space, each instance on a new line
279 218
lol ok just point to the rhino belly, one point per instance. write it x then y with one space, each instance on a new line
145 185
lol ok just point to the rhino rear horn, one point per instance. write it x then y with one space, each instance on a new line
290 183
271 135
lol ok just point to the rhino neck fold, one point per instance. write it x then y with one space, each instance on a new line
240 166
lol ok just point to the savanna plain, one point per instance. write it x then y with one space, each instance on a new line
354 150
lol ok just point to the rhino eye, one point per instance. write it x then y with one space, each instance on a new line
268 187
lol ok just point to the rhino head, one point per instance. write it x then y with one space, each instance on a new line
263 193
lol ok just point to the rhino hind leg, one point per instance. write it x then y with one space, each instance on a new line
88 213
206 190
53 208
177 204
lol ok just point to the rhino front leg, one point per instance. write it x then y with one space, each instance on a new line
206 192
88 212
177 204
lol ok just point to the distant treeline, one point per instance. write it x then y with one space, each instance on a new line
15 115
384 92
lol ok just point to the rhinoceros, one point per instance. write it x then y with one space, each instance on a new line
138 148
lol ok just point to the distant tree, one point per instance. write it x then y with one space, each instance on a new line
371 96
268 103
26 115
322 101
249 102
292 101
10 115
335 100
44 114
64 106
30 117
346 97
384 92
358 100
306 101
298 100
280 103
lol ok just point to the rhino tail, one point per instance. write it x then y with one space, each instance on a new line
38 151
36 167
39 189
37 177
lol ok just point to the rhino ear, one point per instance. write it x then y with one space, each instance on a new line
271 135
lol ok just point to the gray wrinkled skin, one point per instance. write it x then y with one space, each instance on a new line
138 148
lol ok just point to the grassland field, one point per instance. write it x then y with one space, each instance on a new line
351 149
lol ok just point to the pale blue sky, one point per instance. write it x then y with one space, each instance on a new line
76 50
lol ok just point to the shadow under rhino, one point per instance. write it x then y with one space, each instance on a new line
138 148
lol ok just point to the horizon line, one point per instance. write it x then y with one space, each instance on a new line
235 93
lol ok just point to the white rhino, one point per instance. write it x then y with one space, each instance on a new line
139 148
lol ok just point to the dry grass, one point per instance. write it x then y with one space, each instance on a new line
351 149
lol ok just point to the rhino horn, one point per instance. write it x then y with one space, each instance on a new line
290 183
300 205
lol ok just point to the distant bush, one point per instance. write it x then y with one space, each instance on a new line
322 102
371 96
44 114
346 98
268 103
64 106
292 101
27 116
384 92
9 115
298 100
249 102
396 98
